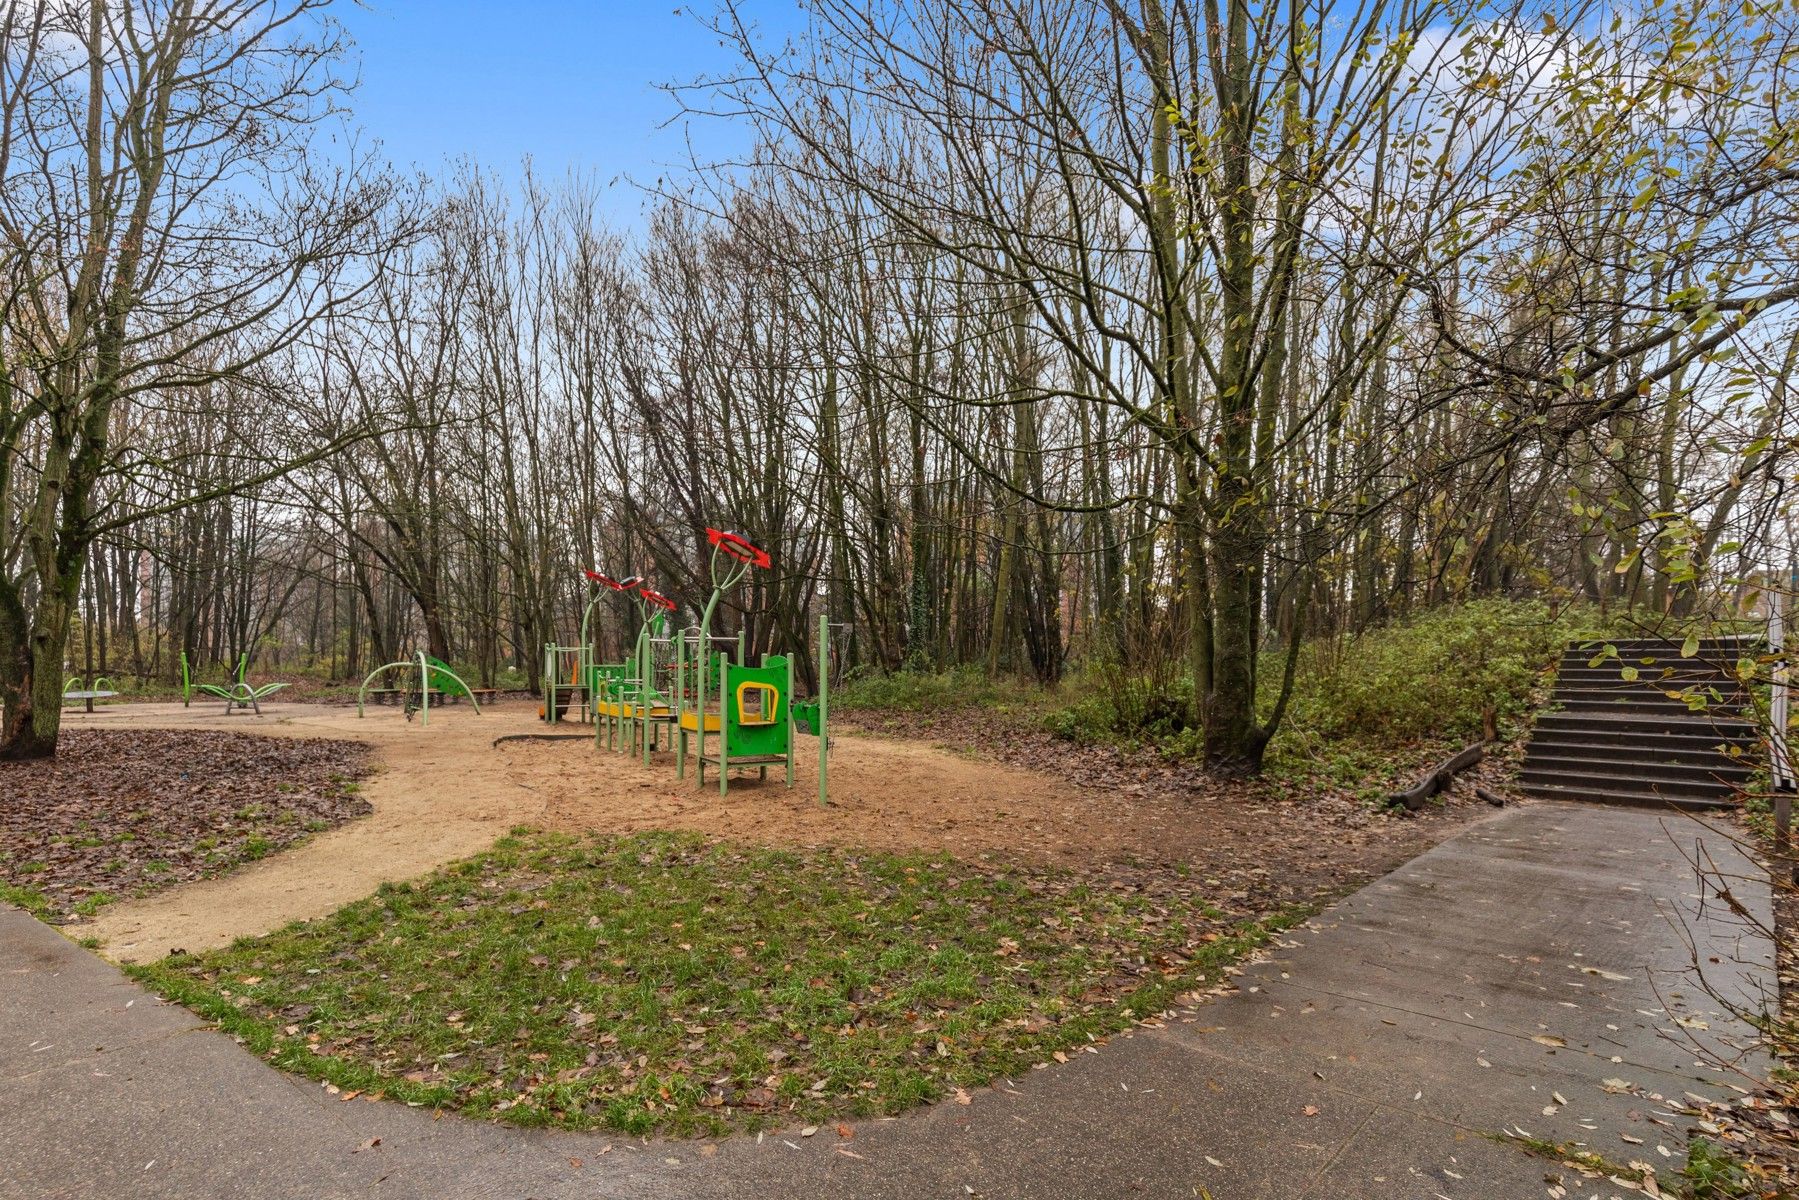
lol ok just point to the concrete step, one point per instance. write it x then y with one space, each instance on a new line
1606 780
1614 673
1632 699
1641 722
1672 645
1675 748
1602 795
1707 652
1711 691
1543 761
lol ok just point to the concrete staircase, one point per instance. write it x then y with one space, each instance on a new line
1617 741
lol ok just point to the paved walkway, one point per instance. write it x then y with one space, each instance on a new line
1500 980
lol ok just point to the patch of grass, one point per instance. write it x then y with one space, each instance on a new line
662 982
29 899
92 903
1568 1155
1712 1172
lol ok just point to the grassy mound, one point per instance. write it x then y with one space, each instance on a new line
665 982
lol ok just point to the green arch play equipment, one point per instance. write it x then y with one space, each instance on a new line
434 677
76 688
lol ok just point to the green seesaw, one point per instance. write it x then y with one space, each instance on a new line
239 695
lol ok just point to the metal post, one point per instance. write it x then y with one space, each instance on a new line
424 692
1779 761
824 699
647 669
724 725
549 682
699 692
680 703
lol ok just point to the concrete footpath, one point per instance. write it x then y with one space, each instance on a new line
1530 974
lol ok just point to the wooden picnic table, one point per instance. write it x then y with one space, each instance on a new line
89 697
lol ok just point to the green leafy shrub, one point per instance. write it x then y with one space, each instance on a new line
1434 675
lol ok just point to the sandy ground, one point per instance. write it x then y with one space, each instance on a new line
446 791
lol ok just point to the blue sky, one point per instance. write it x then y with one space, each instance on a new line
572 85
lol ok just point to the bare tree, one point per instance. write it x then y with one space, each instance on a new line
165 229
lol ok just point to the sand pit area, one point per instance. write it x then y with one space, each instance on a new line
448 790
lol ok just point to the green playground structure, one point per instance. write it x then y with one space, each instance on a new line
239 696
435 678
725 712
736 715
568 670
629 707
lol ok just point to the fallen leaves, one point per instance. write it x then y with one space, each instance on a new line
128 812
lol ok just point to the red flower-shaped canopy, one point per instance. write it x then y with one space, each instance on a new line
658 599
735 545
617 585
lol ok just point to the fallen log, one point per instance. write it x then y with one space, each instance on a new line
1493 798
1438 778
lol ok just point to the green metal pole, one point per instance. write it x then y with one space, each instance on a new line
680 703
789 699
549 682
187 683
424 692
645 668
724 726
824 699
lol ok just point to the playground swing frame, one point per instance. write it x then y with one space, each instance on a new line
425 668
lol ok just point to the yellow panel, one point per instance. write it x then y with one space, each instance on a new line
632 711
767 715
691 720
